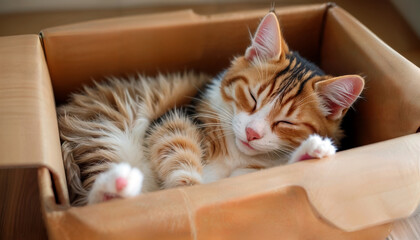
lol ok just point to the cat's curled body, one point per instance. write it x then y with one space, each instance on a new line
268 108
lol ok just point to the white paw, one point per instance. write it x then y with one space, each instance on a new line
313 147
318 147
120 181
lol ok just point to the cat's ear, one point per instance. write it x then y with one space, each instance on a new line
266 43
339 93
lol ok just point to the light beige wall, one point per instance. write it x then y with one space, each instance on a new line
39 5
10 6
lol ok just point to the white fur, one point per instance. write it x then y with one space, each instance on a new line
217 169
257 121
341 93
242 171
177 176
239 156
315 146
105 183
126 145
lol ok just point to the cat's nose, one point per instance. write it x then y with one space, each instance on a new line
251 134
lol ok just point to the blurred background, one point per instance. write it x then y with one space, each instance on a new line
397 22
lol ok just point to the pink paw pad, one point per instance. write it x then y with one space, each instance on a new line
120 183
305 157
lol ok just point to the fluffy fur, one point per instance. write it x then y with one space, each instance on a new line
105 125
270 107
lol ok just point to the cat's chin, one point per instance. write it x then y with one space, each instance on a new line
246 148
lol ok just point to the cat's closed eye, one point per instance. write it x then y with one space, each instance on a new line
283 122
255 100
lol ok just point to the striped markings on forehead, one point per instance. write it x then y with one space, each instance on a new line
294 75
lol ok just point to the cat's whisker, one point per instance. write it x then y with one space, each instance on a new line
282 150
222 111
209 127
216 114
218 120
278 155
212 124
219 130
211 115
283 154
221 134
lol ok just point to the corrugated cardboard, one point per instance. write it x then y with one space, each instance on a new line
353 195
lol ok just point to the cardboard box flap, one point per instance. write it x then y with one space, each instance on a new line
128 22
390 106
351 191
147 44
368 185
77 53
28 123
354 190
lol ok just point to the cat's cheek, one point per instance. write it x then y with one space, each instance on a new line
271 142
235 109
239 123
245 149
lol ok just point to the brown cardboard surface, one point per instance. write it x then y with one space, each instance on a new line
390 106
293 202
373 13
78 53
285 214
354 189
29 131
372 183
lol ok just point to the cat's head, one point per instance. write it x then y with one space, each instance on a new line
278 98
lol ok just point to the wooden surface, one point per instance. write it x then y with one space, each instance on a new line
20 208
406 229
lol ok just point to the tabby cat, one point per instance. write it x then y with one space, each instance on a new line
270 107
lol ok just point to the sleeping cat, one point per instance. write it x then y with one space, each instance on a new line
270 107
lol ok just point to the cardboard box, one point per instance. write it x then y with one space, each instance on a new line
353 195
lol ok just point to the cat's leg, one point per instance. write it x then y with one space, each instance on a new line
119 181
313 147
175 151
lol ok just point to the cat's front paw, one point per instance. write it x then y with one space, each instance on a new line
120 181
313 147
